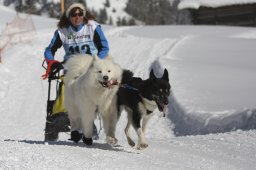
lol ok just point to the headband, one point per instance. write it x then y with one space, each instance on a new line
74 5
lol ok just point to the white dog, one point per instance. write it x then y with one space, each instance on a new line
90 86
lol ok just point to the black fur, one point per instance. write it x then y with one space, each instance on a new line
134 89
126 95
76 136
140 98
87 141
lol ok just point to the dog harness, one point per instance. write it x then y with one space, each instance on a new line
128 87
148 104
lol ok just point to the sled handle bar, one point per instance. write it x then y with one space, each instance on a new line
53 75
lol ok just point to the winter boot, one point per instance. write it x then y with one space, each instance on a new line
76 136
87 141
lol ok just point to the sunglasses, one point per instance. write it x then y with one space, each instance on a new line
77 14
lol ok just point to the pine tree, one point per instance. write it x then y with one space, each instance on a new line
82 2
123 22
107 4
94 13
118 22
152 12
131 22
110 21
103 16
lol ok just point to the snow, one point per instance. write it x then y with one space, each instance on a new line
211 117
115 11
53 1
195 4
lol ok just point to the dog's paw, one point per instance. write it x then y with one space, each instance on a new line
111 140
87 141
76 136
142 146
131 143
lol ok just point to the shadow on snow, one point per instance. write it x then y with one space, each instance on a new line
102 146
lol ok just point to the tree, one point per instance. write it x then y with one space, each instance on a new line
119 21
123 22
103 16
131 22
107 4
152 12
110 21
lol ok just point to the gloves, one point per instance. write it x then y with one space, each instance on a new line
53 67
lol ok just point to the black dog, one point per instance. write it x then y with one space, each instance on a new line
140 98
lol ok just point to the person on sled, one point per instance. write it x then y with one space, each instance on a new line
77 33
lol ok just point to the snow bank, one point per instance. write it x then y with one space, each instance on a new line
195 4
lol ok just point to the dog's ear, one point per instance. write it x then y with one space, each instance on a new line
95 58
152 75
166 75
109 57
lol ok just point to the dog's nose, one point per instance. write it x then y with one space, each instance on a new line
105 78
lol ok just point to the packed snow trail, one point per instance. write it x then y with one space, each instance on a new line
234 151
23 104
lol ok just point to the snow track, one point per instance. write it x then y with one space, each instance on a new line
23 104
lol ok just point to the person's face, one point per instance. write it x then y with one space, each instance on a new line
76 18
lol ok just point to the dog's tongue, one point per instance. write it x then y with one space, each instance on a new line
111 83
164 110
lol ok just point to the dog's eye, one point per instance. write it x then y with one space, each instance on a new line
109 71
99 71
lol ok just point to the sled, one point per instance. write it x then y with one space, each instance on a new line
56 115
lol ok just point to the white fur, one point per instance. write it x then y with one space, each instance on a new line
84 94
